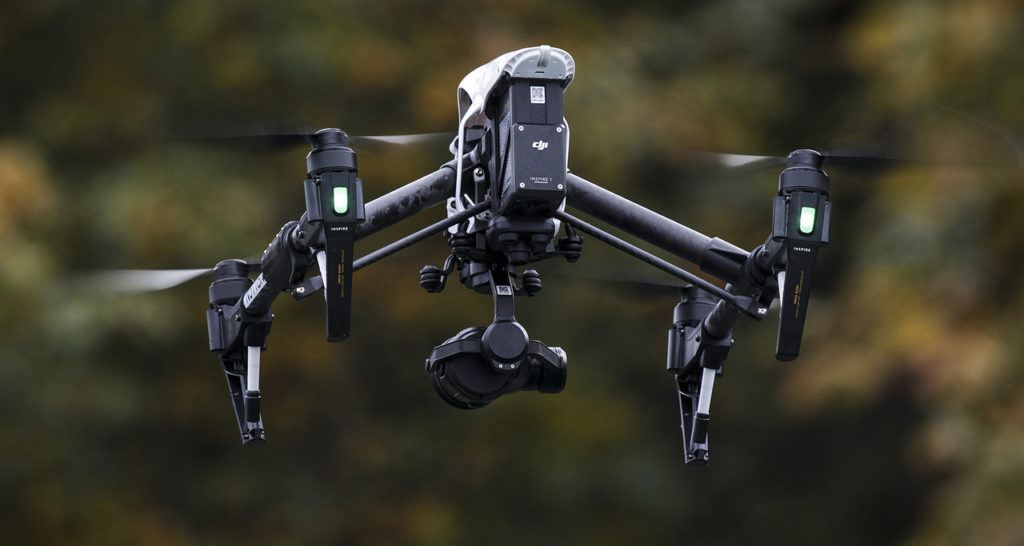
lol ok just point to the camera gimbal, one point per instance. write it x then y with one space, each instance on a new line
478 365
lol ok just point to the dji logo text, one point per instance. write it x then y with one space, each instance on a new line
540 145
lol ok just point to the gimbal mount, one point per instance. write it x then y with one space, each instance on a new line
512 151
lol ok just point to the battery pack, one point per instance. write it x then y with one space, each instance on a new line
531 148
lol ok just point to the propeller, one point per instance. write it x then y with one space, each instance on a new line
956 138
147 280
143 280
274 136
841 158
971 142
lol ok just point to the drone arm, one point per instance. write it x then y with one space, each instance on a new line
715 256
239 318
238 337
289 255
240 310
747 305
406 201
748 273
699 342
420 235
282 266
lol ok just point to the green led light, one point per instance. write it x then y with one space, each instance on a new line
807 220
341 200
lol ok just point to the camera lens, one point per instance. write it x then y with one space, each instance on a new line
548 373
461 375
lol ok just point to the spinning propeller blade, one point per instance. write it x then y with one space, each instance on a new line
405 140
972 142
148 280
275 136
735 161
143 280
839 158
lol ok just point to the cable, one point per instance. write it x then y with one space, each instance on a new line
458 155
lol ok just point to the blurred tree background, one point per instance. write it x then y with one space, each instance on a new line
903 421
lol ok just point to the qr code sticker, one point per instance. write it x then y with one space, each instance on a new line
536 94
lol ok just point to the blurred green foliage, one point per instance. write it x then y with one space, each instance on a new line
903 422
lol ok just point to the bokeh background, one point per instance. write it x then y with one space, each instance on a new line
902 422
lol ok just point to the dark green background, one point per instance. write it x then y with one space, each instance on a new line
902 422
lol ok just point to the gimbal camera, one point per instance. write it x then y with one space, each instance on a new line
506 193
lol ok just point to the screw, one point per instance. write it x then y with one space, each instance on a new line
478 172
521 127
522 184
561 187
301 290
558 129
762 311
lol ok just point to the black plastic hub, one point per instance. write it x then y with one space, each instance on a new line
330 153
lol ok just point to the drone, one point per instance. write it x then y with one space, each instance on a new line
507 193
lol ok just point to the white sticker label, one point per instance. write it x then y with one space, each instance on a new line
536 94
253 291
504 290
